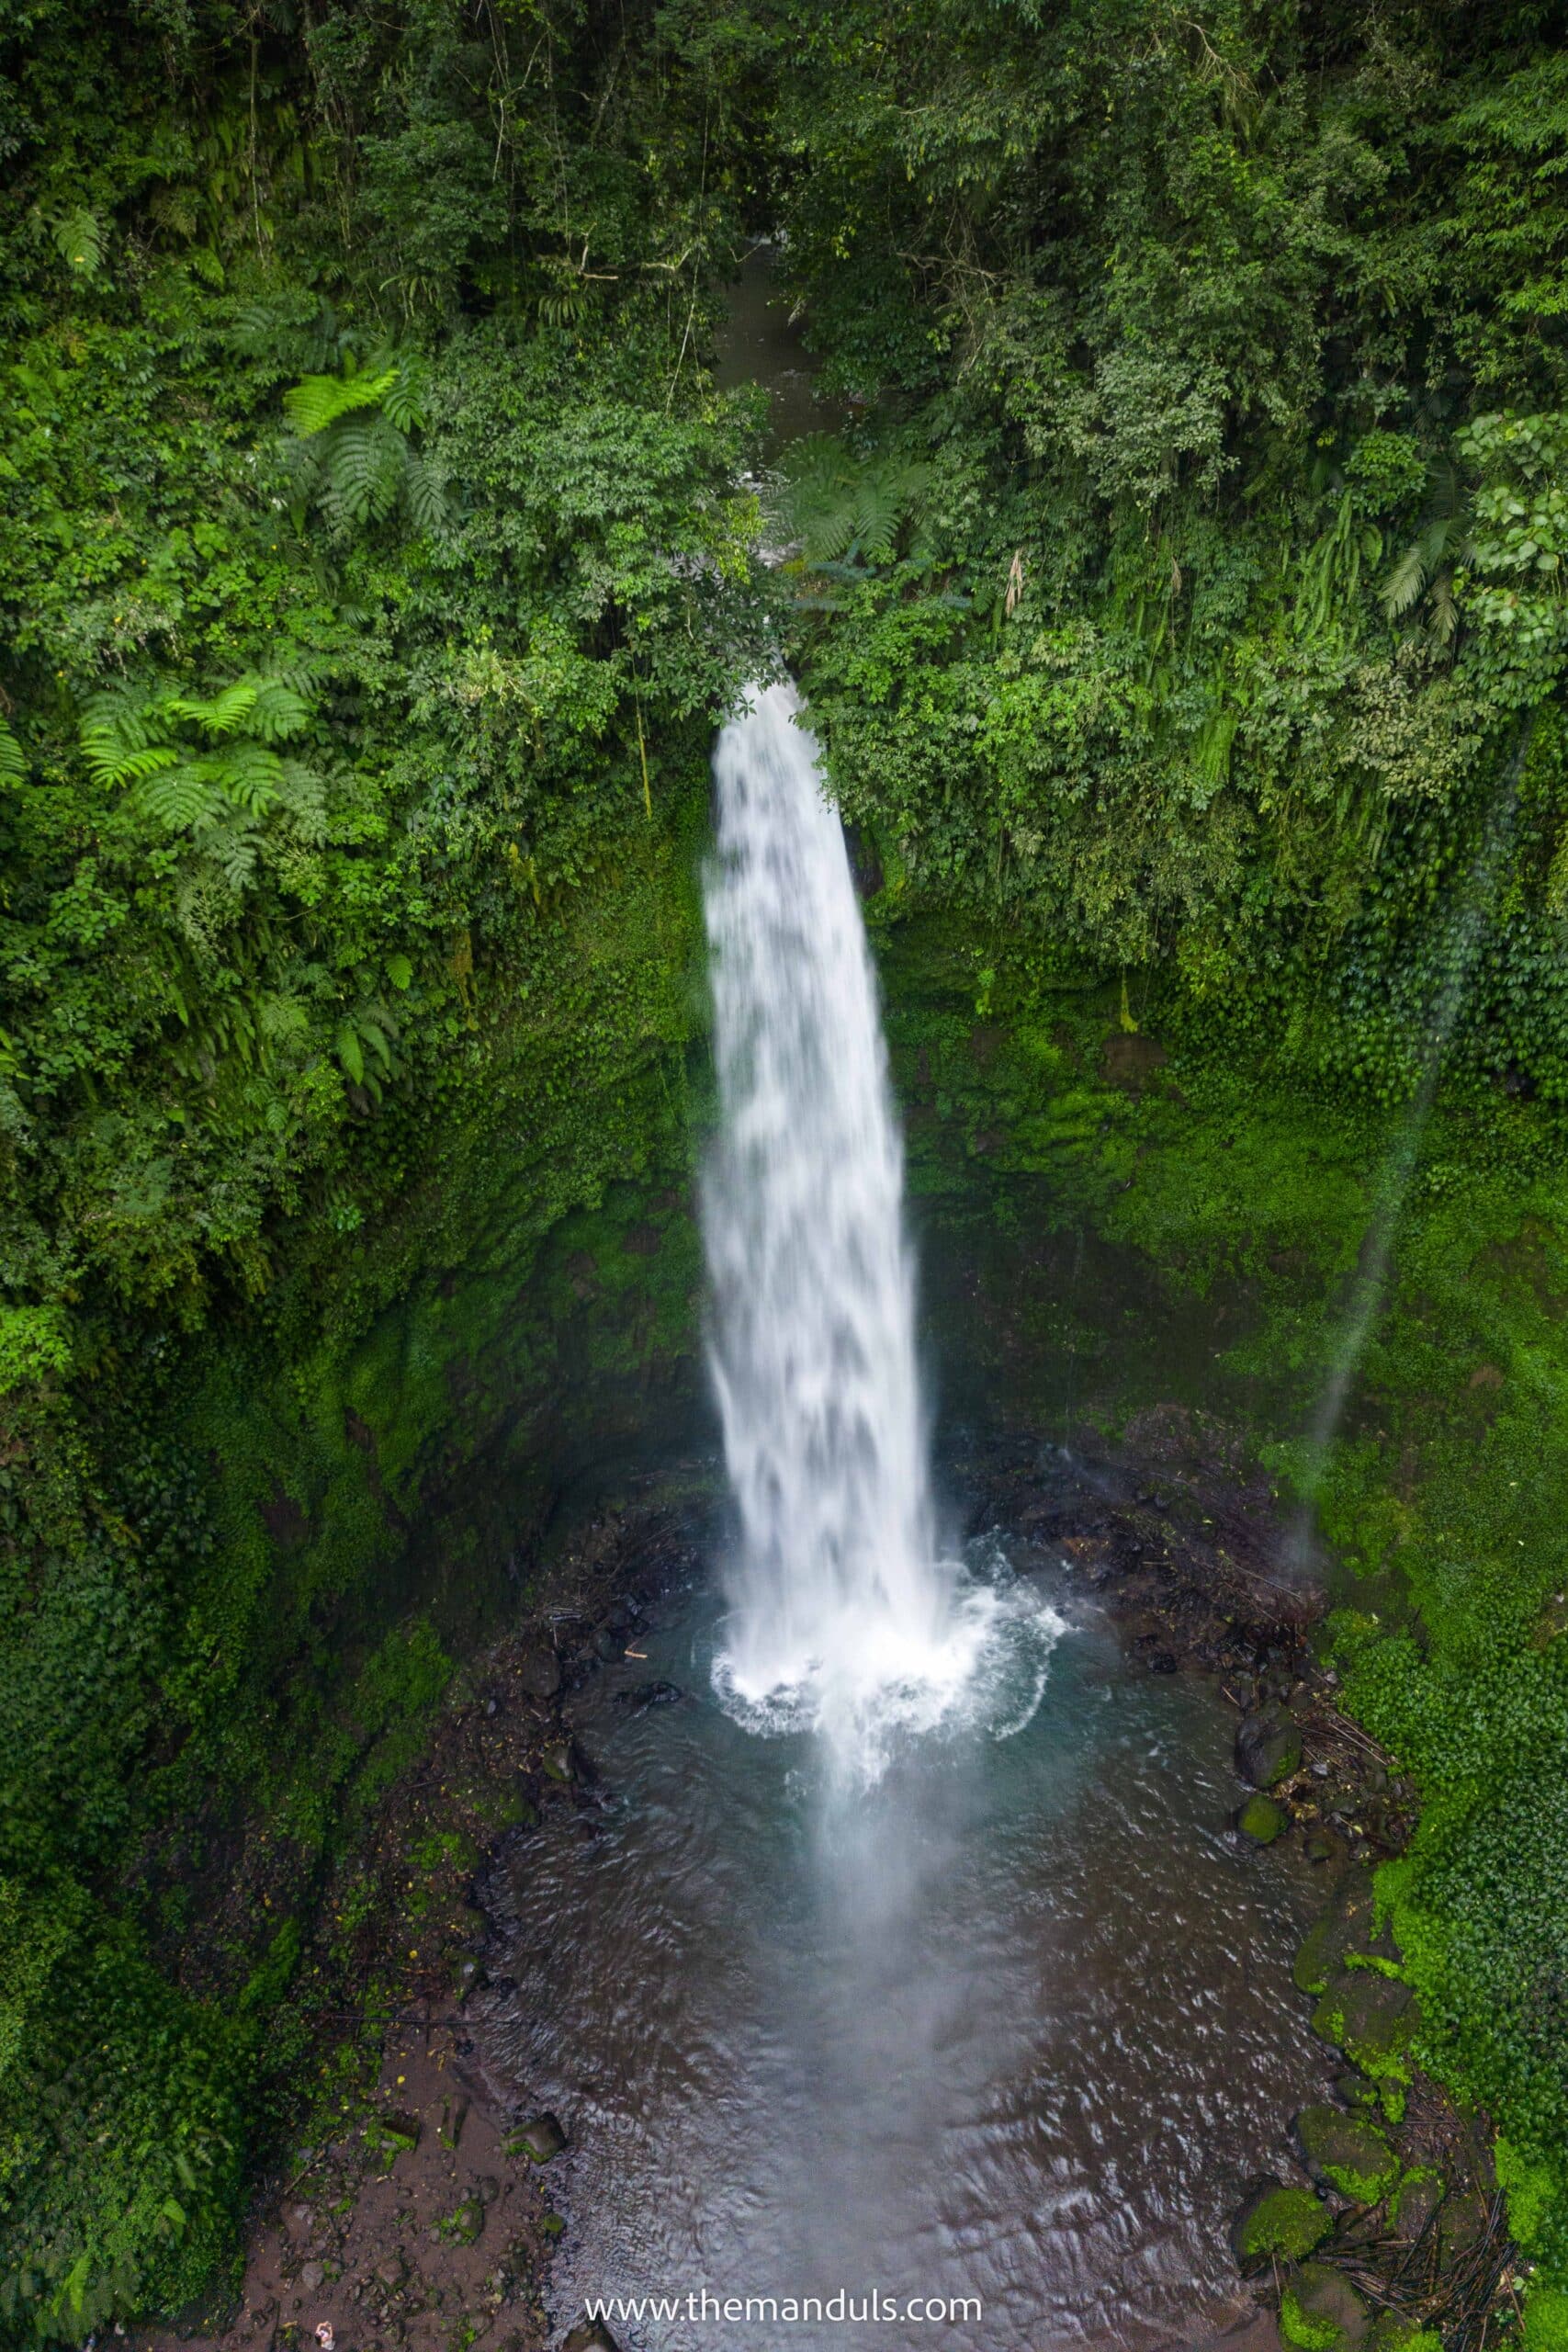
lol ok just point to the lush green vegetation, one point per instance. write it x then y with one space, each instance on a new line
1184 613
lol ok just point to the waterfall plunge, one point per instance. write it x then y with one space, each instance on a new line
844 1617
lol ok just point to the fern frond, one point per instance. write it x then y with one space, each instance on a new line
319 401
181 797
232 849
224 714
1405 584
1444 623
405 397
349 1054
302 795
425 497
279 712
248 775
117 748
79 241
13 762
365 466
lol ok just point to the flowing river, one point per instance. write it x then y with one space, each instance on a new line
910 1978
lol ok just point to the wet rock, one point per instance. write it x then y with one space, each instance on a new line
1275 2220
650 1694
1267 1747
1461 2224
466 2224
1261 1820
391 2270
395 2134
1347 2152
557 1759
1355 2090
1370 2016
299 2221
1412 2204
1320 2309
539 1673
605 1646
313 2276
1349 1925
592 2336
538 2140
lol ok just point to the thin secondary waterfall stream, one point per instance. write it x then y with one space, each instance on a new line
859 1977
844 1618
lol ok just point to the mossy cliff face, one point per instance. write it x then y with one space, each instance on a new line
1114 1219
280 1535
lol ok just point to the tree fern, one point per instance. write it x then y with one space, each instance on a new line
13 762
842 507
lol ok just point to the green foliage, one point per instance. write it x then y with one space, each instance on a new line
374 569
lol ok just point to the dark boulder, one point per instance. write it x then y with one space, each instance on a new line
1267 1747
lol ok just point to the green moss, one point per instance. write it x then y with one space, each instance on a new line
1320 2311
1285 2221
1262 1820
1546 2319
1391 2334
1347 2152
1533 2191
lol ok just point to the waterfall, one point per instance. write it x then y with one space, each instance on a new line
843 1614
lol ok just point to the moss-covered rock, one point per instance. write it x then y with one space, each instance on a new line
1261 1820
1373 2018
1391 2334
1267 1747
1349 1925
1321 2311
1274 2220
1346 2152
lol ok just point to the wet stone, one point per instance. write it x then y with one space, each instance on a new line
1413 2205
1463 2222
538 2141
594 2337
1321 2311
1368 2014
1348 2153
1267 1747
557 1759
538 1674
312 2275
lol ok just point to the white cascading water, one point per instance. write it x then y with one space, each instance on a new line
844 1617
